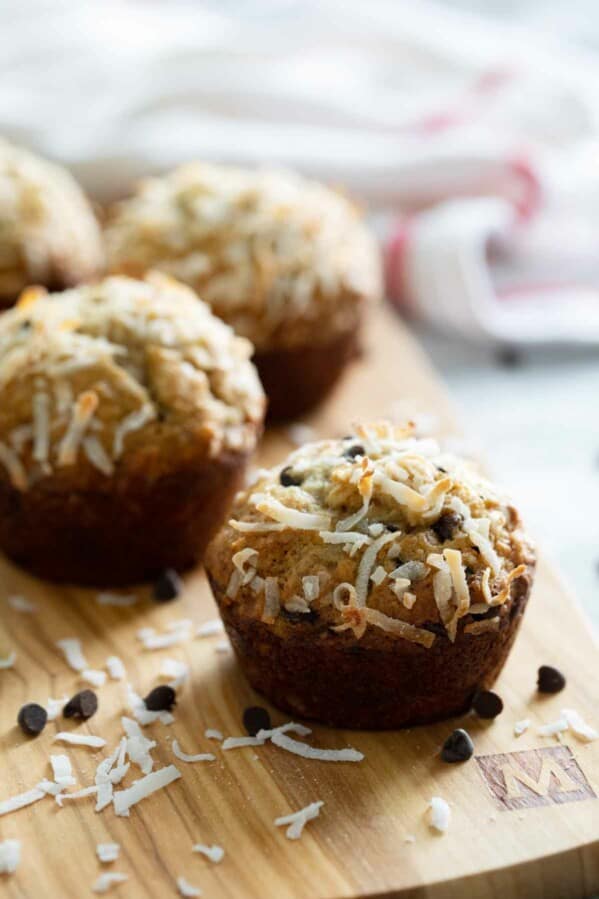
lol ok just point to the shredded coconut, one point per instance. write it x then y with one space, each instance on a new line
115 599
21 800
8 661
184 757
80 740
83 411
521 727
210 628
186 889
10 856
55 706
107 852
71 648
298 820
107 880
439 814
178 671
115 668
578 726
554 728
21 604
94 677
211 733
123 800
214 853
272 602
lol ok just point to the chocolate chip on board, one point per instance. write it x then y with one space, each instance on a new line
550 680
161 699
168 586
32 719
256 718
82 705
487 704
458 747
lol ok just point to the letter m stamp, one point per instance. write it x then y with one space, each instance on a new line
519 780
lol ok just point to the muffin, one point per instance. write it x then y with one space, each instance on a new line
48 233
127 414
372 581
285 261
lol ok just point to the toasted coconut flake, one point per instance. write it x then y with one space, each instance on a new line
83 412
400 628
80 740
504 594
71 648
186 889
485 586
366 565
234 583
184 757
453 557
298 820
210 628
378 575
21 604
21 800
439 814
10 856
482 627
8 661
107 880
401 493
245 561
97 455
365 487
123 800
443 592
107 852
311 587
214 853
484 545
14 468
578 726
352 538
115 667
521 727
132 422
409 600
400 585
41 426
291 518
272 603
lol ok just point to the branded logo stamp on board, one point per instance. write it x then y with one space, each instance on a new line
547 776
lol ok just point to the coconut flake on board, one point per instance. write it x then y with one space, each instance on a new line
123 800
298 820
521 727
115 599
107 880
14 803
185 757
80 740
8 661
73 653
186 889
21 604
94 677
214 853
107 852
115 668
439 814
10 856
210 628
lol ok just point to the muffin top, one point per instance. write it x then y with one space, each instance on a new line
284 260
378 531
48 233
117 376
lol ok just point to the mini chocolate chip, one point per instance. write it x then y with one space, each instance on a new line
168 586
256 718
32 719
392 528
458 747
352 451
288 478
299 617
446 525
441 469
161 699
82 705
487 704
435 628
550 680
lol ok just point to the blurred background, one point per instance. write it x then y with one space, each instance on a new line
469 130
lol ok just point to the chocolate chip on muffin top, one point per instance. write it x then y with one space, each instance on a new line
273 253
398 537
121 370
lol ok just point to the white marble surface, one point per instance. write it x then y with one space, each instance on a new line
537 425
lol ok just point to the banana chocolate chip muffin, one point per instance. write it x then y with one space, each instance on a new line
48 233
371 582
127 414
287 262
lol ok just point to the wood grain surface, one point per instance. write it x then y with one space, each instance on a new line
509 837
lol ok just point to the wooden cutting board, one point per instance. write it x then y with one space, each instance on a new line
525 816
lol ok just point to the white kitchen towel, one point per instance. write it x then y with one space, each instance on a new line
475 145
